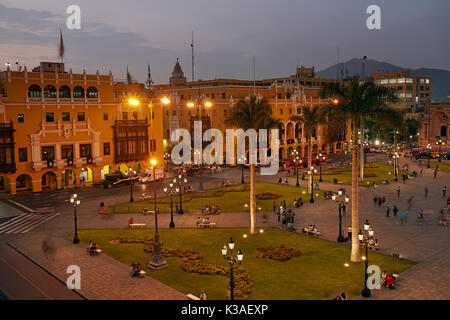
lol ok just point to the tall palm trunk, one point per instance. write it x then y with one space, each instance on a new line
310 163
355 257
362 151
252 199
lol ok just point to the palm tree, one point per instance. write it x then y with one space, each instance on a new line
253 113
311 117
358 100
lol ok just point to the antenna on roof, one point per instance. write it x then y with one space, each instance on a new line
192 46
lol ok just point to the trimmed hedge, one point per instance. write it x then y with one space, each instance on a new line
192 263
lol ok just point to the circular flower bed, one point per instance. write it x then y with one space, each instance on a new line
267 195
370 175
280 253
192 263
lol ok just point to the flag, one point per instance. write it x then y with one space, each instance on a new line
61 46
129 79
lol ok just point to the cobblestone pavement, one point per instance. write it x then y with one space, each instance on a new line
427 244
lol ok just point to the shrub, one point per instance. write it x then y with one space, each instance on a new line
280 253
267 195
192 263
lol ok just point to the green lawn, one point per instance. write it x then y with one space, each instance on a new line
229 199
319 273
444 167
373 172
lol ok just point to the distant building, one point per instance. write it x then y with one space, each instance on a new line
286 95
435 123
413 92
62 129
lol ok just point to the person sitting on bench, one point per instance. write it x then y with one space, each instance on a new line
136 268
131 221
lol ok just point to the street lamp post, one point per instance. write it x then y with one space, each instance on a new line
171 189
318 158
242 161
132 177
396 156
75 202
429 154
297 161
364 238
181 181
231 261
440 143
311 172
340 199
158 261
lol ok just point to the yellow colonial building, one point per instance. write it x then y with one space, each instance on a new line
62 129
212 100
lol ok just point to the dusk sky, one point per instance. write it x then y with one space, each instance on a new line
117 33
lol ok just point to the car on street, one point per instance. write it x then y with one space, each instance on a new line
424 155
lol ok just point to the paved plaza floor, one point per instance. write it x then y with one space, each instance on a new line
427 243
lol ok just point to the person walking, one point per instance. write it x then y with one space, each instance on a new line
426 192
274 206
388 210
379 201
435 172
398 191
375 200
444 191
395 210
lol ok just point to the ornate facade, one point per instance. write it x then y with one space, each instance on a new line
435 123
285 95
61 129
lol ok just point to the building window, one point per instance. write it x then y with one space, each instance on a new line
67 151
225 112
78 92
49 117
85 150
66 116
50 92
443 131
288 95
106 149
34 91
23 155
223 95
48 153
153 115
20 117
125 115
135 115
105 116
152 145
290 111
64 92
281 111
81 116
279 96
92 93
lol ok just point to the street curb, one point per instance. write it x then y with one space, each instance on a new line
42 268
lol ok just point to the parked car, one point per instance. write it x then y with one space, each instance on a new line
447 155
424 155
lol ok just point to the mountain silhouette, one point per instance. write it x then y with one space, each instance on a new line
440 78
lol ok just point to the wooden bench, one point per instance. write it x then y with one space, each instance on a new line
192 297
136 225
206 225
307 231
148 212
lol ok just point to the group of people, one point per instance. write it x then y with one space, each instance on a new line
281 181
389 281
311 229
207 209
379 200
298 202
136 269
202 221
93 249
342 296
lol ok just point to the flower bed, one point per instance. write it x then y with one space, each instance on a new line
192 263
267 195
280 253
